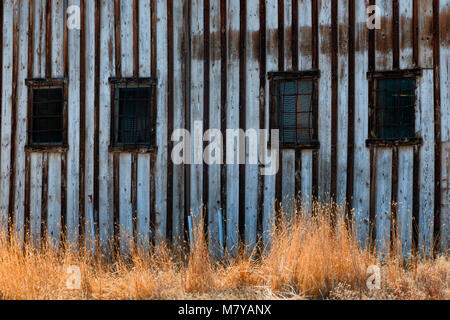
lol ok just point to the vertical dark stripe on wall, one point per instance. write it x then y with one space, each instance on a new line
373 168
372 213
223 102
295 35
28 154
416 192
262 106
242 109
12 179
395 34
96 115
48 39
279 176
437 123
315 66
351 111
118 42
394 197
416 160
170 116
295 67
334 96
206 104
81 193
153 155
44 196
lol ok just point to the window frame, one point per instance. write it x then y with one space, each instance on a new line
46 83
117 83
274 79
373 138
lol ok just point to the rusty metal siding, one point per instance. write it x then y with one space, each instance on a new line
210 58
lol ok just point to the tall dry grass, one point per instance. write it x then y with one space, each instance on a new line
312 258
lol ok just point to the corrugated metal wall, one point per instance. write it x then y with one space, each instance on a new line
211 58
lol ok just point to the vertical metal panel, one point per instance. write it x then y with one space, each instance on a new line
383 192
21 122
179 47
324 112
215 181
105 160
73 153
404 198
35 197
232 214
425 126
383 37
125 207
342 123
6 111
406 34
444 11
362 155
143 203
271 65
425 42
197 103
161 129
89 122
287 156
252 121
54 199
305 63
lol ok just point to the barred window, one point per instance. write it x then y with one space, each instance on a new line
133 116
46 113
394 108
293 104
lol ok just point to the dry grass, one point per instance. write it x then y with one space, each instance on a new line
308 259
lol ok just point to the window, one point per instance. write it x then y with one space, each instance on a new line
393 101
47 113
133 121
293 108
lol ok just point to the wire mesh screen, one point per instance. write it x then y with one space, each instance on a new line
295 111
133 116
394 108
47 116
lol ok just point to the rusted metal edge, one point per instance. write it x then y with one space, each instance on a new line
395 35
315 66
223 106
206 104
351 113
294 75
437 125
15 70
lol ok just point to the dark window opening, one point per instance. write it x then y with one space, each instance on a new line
294 105
395 108
46 113
133 121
